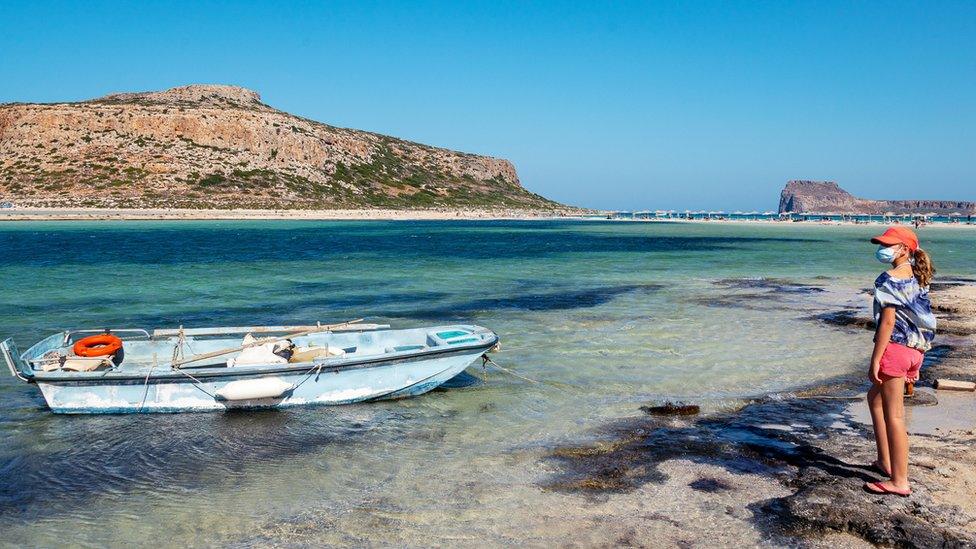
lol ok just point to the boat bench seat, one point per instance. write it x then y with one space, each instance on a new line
402 348
450 337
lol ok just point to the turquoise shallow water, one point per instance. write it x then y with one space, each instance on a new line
613 314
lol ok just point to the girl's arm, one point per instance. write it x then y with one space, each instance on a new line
882 335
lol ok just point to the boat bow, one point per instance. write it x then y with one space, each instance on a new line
15 363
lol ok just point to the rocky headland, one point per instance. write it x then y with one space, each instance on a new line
828 197
221 147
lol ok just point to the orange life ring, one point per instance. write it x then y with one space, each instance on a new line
97 345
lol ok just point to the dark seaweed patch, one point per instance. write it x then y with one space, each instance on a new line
776 285
554 301
847 318
710 485
736 441
316 286
937 286
756 294
747 301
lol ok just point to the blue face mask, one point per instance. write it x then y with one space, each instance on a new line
886 255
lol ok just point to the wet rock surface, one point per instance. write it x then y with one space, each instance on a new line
671 409
805 444
825 502
922 398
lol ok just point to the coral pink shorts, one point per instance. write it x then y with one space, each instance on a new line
900 361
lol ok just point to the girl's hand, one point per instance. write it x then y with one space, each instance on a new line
874 374
882 336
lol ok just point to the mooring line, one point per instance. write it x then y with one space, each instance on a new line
487 360
146 383
308 375
198 384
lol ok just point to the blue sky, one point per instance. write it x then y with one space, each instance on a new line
603 104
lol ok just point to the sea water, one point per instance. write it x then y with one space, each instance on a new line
604 316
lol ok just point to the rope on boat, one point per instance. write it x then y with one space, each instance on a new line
486 360
317 368
145 384
197 383
498 349
178 348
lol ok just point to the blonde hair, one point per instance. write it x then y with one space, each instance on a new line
922 267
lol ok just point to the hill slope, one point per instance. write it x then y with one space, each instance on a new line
828 197
207 146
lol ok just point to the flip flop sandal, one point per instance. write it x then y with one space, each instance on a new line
878 488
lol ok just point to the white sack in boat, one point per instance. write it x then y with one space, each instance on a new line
76 364
259 354
308 354
85 364
253 389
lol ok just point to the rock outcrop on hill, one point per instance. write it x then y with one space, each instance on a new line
828 197
208 146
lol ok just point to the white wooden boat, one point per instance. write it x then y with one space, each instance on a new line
206 369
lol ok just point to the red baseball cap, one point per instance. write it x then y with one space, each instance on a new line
898 235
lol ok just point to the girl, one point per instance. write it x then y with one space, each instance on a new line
905 329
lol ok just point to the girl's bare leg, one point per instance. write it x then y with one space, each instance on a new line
892 396
876 406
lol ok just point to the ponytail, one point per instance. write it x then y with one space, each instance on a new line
922 267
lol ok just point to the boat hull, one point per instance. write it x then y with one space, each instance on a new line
314 386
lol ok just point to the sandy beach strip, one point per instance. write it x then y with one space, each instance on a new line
151 214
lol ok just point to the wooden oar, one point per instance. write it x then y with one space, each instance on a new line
204 356
162 333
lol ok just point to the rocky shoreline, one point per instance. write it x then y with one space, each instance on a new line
794 465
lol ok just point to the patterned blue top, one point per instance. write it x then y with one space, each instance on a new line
914 321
